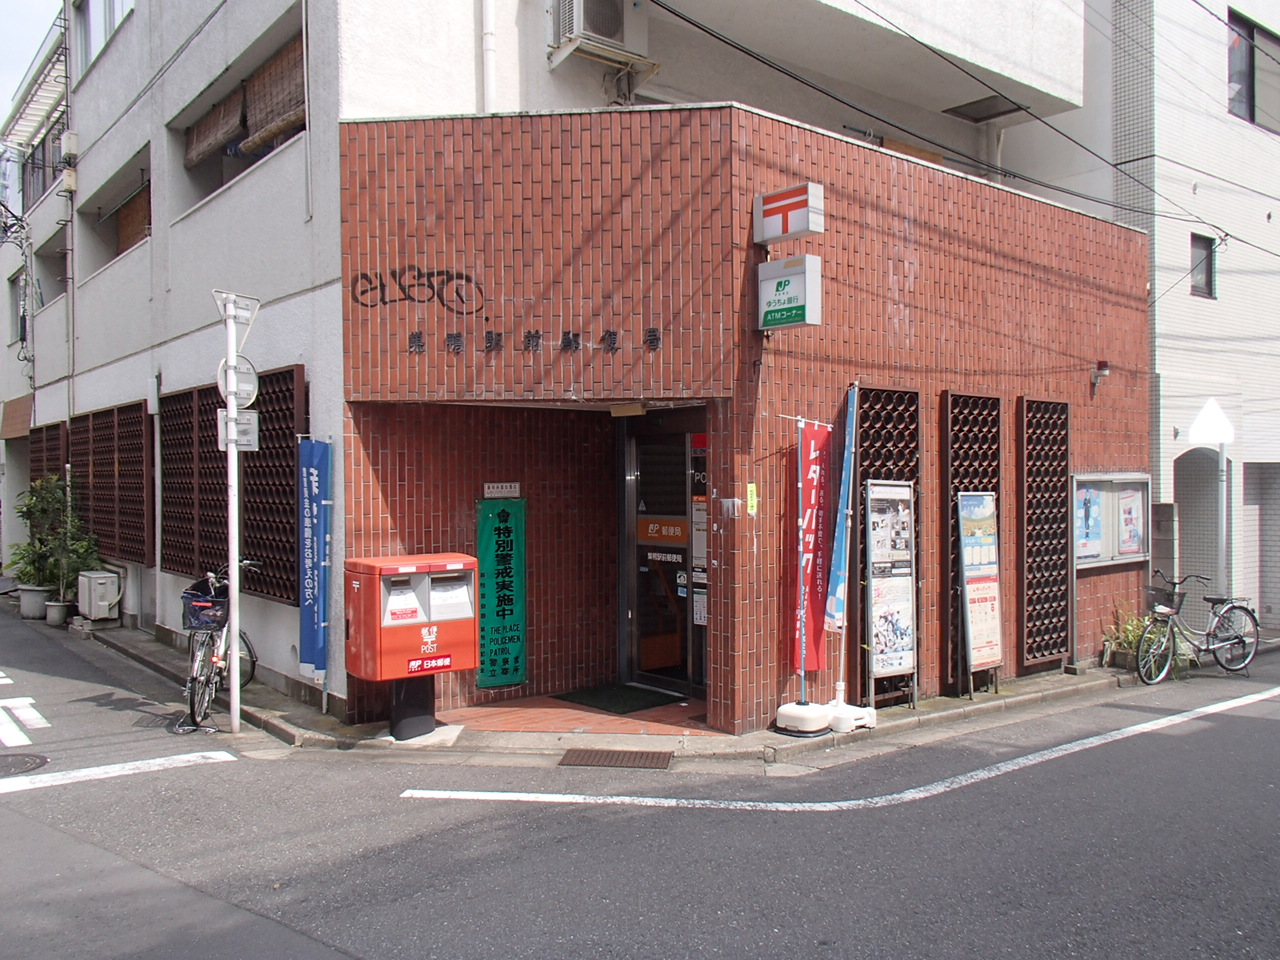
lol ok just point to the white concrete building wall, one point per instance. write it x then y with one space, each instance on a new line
1213 174
402 58
273 233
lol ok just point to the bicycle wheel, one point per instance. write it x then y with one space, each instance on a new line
1155 652
203 683
248 660
1238 638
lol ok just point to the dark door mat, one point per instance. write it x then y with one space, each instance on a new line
636 759
619 698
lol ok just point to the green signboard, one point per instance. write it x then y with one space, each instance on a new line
500 548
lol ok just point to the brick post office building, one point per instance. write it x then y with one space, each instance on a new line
566 305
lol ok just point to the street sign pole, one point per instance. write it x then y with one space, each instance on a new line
235 310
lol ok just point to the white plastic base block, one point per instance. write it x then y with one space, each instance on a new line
846 717
803 719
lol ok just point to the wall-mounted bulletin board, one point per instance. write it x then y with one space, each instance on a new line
1111 518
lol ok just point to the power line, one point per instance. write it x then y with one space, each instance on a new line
1222 232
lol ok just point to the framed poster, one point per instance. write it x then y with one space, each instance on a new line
980 569
1111 519
891 577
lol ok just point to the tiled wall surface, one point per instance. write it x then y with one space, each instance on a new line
631 222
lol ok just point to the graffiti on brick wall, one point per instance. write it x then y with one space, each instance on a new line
457 292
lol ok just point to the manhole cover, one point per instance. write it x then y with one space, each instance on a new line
15 764
639 759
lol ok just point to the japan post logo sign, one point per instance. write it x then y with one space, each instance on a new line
789 214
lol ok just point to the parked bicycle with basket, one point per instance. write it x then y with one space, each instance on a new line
1231 634
205 609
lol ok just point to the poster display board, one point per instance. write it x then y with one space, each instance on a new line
1111 519
980 569
891 577
500 550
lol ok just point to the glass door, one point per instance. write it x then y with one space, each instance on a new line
666 559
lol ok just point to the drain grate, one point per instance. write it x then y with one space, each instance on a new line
636 759
16 764
151 720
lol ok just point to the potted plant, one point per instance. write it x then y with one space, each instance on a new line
58 548
73 551
1120 639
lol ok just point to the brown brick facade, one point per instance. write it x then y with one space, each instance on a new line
623 238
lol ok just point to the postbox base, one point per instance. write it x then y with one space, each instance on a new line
413 707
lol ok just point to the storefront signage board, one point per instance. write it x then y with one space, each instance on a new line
790 292
789 214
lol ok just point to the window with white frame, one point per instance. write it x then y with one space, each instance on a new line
1202 265
96 21
1253 73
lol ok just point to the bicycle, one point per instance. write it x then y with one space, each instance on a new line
1231 634
205 607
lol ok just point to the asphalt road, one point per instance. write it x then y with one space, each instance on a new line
1150 843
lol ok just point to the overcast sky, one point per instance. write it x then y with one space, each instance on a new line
23 25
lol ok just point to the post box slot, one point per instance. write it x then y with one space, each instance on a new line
404 599
452 596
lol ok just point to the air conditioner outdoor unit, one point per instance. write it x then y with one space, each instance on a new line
608 29
98 595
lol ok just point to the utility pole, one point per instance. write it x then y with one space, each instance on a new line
239 384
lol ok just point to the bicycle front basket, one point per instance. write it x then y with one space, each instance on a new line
1164 601
204 613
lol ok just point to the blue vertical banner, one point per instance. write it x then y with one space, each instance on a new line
838 578
315 504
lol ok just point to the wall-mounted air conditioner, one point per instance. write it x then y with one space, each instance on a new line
612 30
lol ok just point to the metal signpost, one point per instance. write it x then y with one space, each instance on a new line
239 386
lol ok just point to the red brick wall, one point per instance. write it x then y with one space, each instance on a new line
416 472
625 221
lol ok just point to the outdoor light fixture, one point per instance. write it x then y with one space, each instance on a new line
1102 369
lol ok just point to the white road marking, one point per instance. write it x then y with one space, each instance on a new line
5 678
866 803
11 734
37 780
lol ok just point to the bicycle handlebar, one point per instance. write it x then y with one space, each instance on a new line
1181 580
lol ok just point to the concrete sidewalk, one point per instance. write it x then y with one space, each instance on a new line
296 724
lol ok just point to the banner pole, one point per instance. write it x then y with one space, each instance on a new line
800 575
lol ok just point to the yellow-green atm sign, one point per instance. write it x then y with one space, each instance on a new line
791 292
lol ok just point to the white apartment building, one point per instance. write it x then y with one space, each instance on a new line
1182 102
176 148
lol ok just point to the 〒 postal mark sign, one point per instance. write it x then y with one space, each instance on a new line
789 214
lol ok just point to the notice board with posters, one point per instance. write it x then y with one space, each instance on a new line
1110 519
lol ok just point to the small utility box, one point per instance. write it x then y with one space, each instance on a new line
98 594
408 619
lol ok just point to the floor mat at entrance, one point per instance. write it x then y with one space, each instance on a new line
637 759
619 698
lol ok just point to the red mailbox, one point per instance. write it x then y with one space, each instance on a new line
412 616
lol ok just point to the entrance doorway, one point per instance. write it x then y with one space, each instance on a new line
665 551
